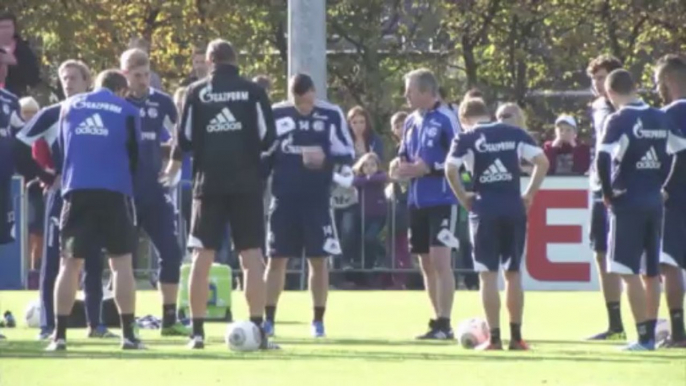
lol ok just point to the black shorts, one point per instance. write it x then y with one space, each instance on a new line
433 227
244 213
599 225
94 219
6 212
497 241
635 241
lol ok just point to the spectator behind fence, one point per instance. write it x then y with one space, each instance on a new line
565 153
364 138
23 70
345 199
370 181
29 107
397 242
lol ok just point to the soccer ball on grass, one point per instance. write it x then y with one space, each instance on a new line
32 314
473 332
661 330
243 336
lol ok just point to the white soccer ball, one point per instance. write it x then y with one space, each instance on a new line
243 336
32 314
473 332
661 330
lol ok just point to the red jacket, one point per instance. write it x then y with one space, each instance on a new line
41 153
566 159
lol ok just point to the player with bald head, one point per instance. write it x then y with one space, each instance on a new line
636 166
670 78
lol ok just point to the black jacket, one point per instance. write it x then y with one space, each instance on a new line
27 71
227 124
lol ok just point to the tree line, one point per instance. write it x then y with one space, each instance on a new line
507 48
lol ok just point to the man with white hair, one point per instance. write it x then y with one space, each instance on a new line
427 136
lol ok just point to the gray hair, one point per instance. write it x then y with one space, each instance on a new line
426 80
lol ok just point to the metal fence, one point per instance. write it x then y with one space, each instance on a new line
375 246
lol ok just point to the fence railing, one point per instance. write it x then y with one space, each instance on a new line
557 252
371 243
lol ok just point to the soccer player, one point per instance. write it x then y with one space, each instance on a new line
636 146
10 122
313 138
154 204
670 77
75 78
492 152
227 123
610 283
427 136
99 134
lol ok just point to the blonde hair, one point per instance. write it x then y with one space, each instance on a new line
516 118
29 103
80 66
132 58
399 116
359 165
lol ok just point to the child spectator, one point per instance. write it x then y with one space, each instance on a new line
345 204
398 243
29 108
566 154
370 181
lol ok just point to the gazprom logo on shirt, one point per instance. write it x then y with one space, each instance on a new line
83 104
639 132
483 147
207 96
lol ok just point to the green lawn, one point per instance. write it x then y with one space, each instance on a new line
370 343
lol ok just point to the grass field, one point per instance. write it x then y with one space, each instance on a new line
370 343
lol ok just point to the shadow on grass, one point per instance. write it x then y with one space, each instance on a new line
33 350
364 342
595 342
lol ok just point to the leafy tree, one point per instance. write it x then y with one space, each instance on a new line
511 49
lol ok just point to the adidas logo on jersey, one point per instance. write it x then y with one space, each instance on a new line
224 121
497 172
649 161
92 126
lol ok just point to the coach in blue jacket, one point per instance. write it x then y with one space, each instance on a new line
426 140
